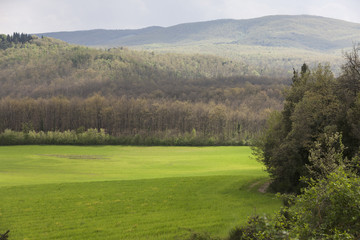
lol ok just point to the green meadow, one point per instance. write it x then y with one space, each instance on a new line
117 192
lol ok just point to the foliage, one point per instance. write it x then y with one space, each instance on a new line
7 41
259 228
47 68
88 137
141 121
326 156
94 137
330 208
316 106
128 93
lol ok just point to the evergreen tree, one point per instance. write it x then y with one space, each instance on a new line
7 41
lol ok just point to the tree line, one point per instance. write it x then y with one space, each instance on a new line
7 41
130 117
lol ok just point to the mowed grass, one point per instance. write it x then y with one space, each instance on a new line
114 192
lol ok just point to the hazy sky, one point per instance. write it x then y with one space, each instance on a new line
37 16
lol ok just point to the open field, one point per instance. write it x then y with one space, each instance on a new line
114 192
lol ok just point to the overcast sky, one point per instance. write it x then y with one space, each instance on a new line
38 16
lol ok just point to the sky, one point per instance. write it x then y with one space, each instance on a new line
39 16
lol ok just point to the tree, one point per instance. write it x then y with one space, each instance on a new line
310 108
349 80
348 90
326 156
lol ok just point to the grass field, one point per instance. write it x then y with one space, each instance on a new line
115 192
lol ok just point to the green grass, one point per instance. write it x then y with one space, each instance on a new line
112 192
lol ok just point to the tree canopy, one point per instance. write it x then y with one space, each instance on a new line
54 86
7 41
317 104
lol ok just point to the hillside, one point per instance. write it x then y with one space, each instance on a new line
304 32
48 67
270 46
46 84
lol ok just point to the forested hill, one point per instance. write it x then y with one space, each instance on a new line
46 84
45 67
271 46
304 32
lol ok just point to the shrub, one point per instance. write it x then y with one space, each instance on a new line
260 228
329 208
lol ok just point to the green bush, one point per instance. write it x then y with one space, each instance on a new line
261 228
330 208
100 137
88 137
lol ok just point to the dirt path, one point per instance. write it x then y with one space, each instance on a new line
264 187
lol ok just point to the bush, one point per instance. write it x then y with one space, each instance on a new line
89 137
260 228
9 137
100 137
329 208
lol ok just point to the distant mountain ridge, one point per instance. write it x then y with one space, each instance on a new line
298 31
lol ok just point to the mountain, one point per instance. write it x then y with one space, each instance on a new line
302 32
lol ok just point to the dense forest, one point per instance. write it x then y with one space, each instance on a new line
52 86
317 105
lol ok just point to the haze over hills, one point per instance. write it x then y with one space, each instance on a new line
304 32
272 45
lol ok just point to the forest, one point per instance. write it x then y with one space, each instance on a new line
48 85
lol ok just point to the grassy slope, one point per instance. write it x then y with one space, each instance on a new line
127 192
